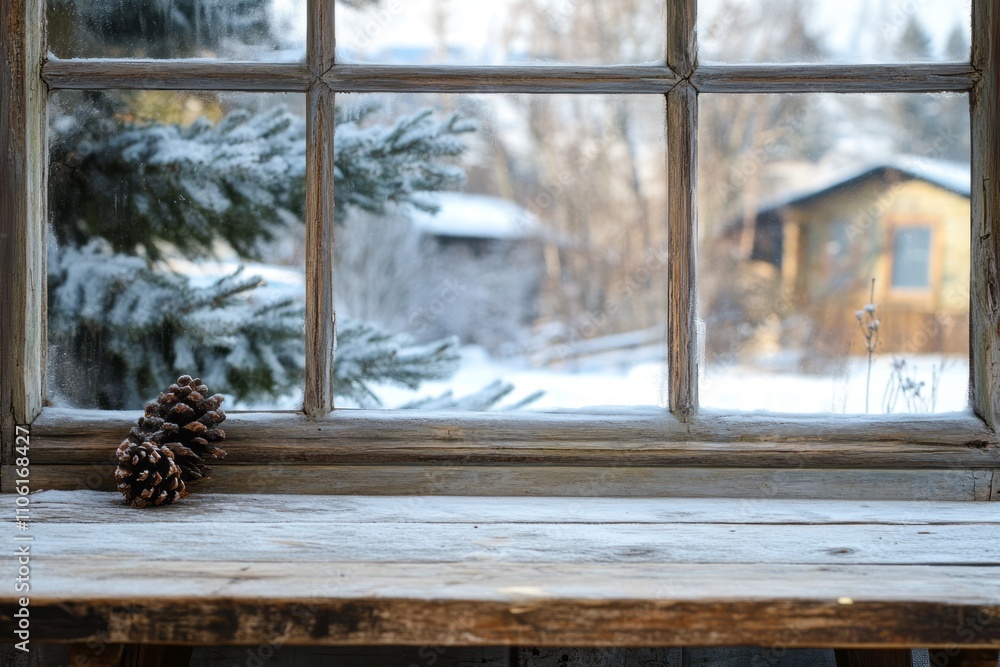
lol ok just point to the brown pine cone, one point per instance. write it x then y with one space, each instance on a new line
185 419
147 475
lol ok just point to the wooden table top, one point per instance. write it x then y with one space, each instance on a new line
232 569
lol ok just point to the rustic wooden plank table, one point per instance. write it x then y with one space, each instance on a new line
232 569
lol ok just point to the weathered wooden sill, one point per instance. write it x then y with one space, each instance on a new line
612 437
623 453
231 569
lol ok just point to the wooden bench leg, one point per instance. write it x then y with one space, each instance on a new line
851 657
965 658
128 655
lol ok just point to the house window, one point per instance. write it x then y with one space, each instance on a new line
724 87
911 258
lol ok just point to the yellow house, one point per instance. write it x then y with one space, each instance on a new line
905 225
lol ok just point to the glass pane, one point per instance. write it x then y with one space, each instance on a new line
471 32
846 31
177 245
512 258
272 30
832 226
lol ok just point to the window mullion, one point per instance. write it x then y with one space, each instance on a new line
682 46
682 225
682 208
984 307
910 78
321 42
175 75
534 79
320 319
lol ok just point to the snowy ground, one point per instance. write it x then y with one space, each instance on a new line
638 377
641 384
727 388
740 388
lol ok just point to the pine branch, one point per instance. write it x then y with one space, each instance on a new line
122 330
376 165
121 325
172 29
367 356
239 180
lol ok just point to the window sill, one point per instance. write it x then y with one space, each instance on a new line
617 453
231 569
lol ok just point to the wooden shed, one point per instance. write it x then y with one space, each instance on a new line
905 225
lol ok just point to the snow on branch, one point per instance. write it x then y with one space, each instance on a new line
378 164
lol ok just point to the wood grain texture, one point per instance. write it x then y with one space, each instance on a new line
320 318
64 507
507 79
682 237
101 577
730 532
983 484
929 78
750 484
296 77
22 217
985 302
682 36
401 621
365 571
524 543
629 438
176 75
321 37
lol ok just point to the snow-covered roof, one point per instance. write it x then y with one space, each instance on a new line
952 176
475 216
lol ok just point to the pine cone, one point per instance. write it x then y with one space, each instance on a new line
147 475
185 419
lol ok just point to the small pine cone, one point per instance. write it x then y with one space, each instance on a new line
147 475
185 418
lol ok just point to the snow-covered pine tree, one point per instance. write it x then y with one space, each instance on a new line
167 28
154 29
122 324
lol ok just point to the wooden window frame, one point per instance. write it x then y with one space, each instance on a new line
662 443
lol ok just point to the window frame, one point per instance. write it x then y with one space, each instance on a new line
678 437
